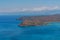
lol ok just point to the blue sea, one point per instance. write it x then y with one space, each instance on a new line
9 30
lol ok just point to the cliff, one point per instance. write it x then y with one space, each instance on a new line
39 20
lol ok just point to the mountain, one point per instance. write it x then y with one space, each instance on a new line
39 20
27 13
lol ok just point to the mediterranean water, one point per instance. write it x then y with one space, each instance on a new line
9 30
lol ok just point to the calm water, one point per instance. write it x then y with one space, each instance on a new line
9 30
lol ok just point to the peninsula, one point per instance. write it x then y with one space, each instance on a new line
38 20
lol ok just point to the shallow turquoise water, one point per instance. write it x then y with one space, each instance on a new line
9 30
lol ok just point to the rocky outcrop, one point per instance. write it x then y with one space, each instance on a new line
39 20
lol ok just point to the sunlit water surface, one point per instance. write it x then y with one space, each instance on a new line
9 30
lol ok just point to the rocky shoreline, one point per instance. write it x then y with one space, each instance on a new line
39 20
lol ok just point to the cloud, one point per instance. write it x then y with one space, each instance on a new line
42 8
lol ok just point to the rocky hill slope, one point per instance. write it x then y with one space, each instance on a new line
39 20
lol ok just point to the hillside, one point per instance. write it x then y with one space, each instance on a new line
39 20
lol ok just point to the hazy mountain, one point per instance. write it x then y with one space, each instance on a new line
46 12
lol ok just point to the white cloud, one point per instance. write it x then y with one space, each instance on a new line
31 9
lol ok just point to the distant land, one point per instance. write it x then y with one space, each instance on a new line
27 13
38 20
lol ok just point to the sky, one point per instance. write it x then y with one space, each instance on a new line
28 5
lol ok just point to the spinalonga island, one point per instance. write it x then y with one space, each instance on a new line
38 20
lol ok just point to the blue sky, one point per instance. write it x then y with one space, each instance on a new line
18 4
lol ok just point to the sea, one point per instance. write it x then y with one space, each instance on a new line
9 30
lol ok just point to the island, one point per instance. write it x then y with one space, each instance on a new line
38 20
